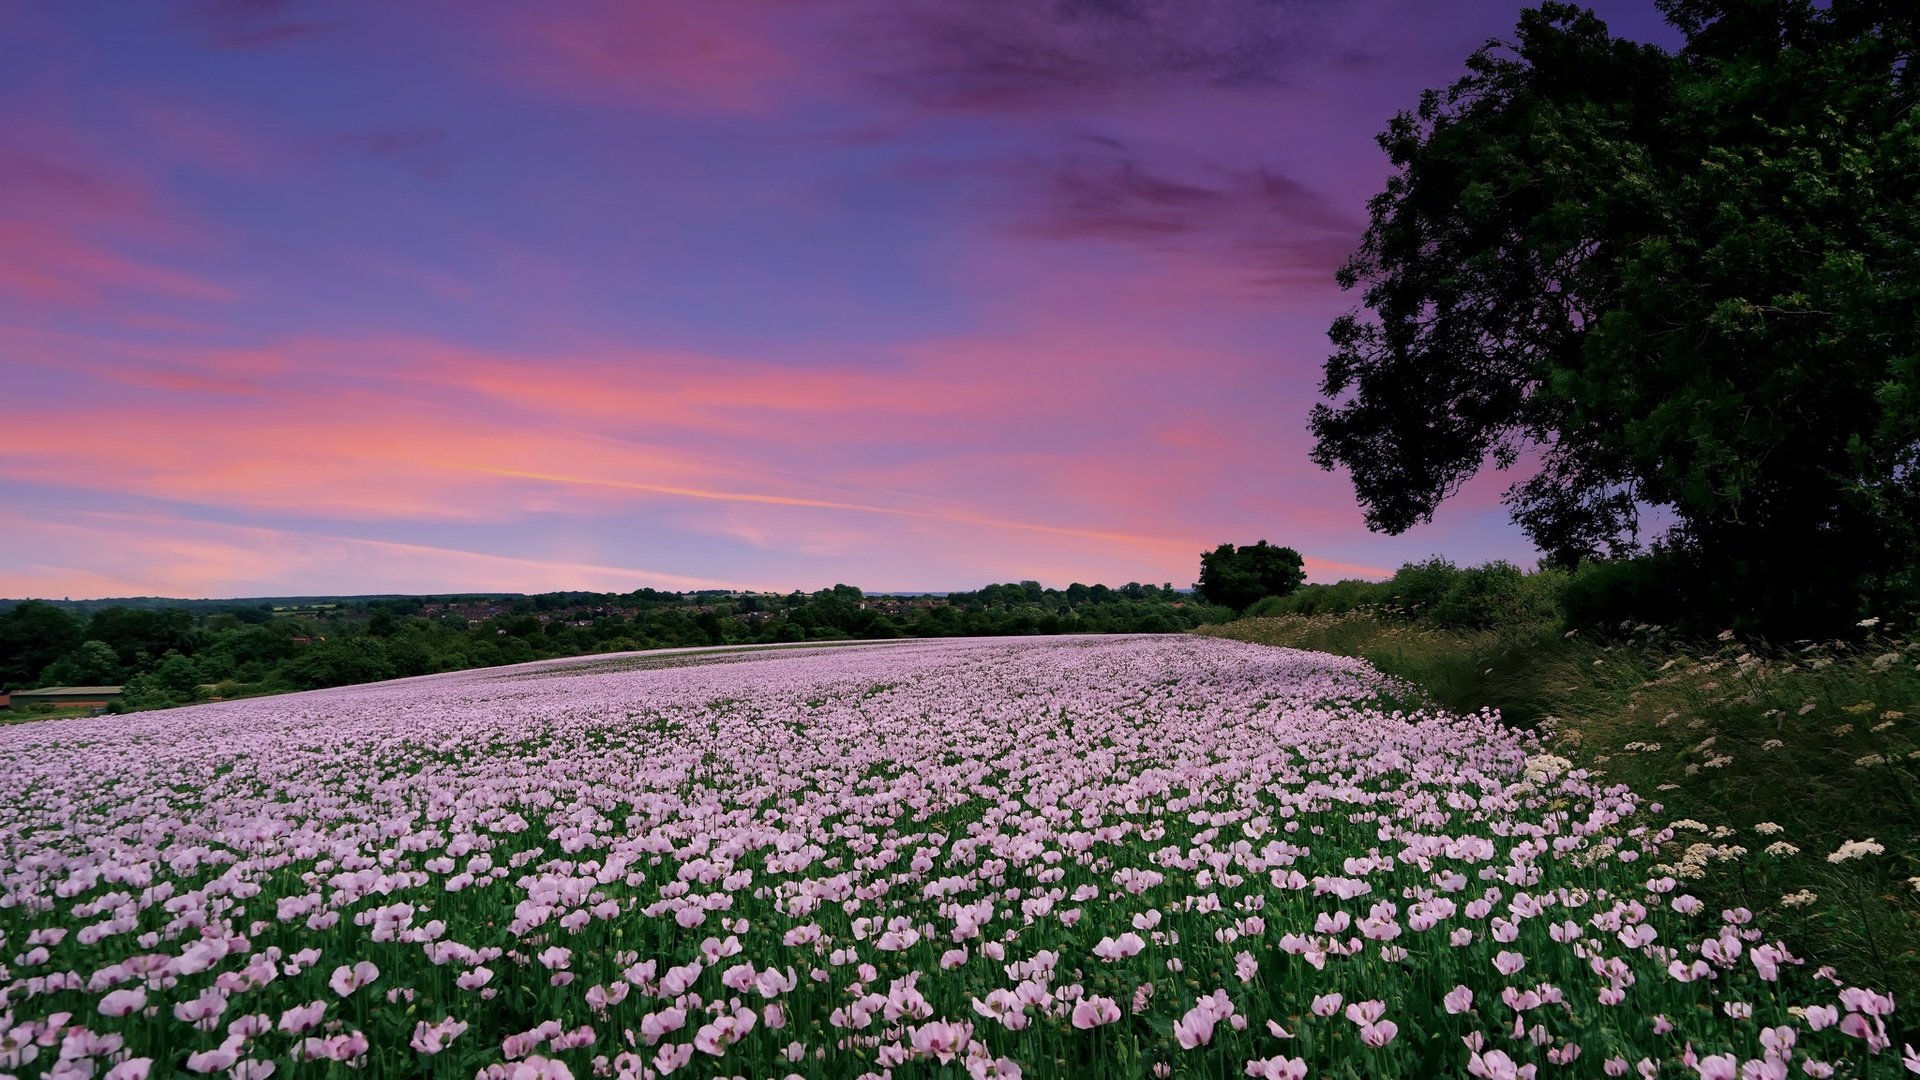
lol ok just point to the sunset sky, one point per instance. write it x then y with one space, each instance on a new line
333 297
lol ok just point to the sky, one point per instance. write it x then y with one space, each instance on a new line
456 295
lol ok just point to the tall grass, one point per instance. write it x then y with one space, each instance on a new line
1772 760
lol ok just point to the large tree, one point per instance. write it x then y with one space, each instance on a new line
1685 284
1237 577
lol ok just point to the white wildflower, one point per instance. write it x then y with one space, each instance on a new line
1854 849
1543 767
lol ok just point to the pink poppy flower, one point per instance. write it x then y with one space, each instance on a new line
940 1039
1380 1034
123 1002
1278 1068
1195 1028
1093 1011
346 980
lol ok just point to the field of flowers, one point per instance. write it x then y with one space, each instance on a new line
1157 857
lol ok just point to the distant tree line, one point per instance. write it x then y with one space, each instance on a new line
168 654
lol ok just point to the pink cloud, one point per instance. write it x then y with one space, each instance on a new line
113 554
718 55
823 461
80 227
43 264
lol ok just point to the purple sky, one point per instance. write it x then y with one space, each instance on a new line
911 294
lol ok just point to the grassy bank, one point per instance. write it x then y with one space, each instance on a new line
1777 764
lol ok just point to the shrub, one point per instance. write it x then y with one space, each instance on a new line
1417 588
1339 598
1657 589
1497 596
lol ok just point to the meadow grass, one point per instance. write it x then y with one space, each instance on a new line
1781 756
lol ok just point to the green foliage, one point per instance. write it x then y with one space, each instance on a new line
1436 593
32 635
1658 589
340 662
92 664
1416 589
175 680
1681 281
1350 594
1240 577
1499 594
138 636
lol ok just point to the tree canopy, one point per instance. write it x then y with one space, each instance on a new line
1673 287
1240 577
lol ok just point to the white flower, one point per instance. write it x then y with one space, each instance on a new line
1544 767
1781 849
1799 899
1854 849
1767 828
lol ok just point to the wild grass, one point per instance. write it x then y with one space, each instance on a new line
1772 759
